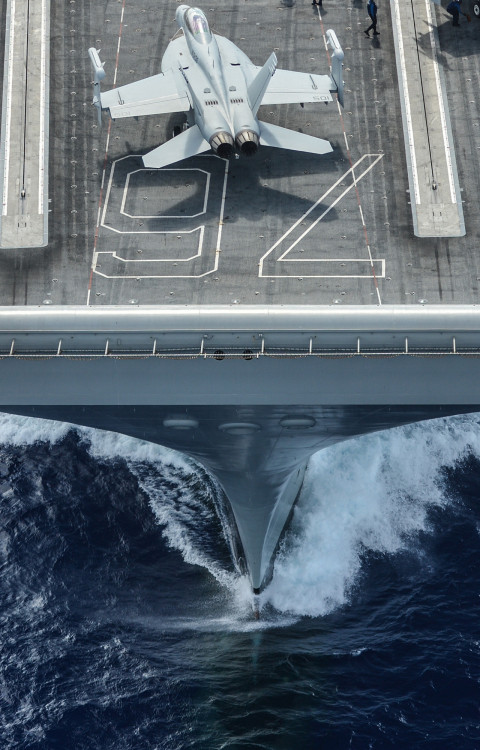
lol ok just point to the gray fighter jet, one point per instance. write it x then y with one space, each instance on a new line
215 83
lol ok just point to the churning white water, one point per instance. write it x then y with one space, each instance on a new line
370 494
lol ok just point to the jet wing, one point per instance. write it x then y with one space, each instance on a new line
156 95
289 87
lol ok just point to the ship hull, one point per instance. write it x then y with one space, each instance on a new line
258 461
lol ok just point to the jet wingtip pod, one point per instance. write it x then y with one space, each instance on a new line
98 69
98 75
337 64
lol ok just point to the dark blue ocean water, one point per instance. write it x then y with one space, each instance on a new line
126 626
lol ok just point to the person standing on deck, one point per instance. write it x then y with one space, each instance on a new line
372 12
454 9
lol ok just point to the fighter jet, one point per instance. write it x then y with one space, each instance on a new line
217 85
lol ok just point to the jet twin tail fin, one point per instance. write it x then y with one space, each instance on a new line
259 85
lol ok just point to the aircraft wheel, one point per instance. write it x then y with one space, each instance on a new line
176 130
476 8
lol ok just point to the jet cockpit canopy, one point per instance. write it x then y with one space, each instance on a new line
198 25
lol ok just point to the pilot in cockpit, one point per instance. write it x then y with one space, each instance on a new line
198 25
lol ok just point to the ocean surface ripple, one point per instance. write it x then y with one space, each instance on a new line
126 624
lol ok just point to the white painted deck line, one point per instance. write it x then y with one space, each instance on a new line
25 126
44 119
434 188
405 100
7 101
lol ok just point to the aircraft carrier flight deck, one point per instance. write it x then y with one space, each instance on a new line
280 227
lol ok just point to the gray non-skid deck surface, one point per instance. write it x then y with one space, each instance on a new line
24 137
278 228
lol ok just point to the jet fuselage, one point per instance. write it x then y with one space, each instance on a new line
216 84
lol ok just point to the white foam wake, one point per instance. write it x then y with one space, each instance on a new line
374 494
369 494
180 517
180 512
23 431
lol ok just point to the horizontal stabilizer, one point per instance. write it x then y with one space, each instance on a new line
189 143
276 137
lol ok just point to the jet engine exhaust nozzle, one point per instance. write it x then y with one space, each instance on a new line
247 142
222 144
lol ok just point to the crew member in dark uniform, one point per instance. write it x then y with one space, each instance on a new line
372 12
454 9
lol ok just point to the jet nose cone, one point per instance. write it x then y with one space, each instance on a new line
180 12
